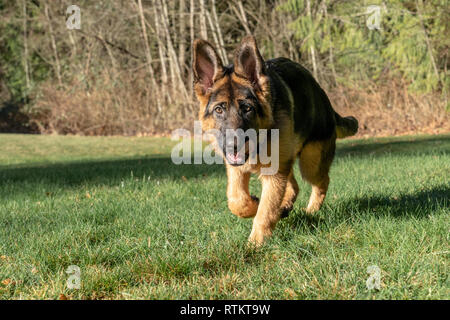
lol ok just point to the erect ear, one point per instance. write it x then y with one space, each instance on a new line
207 65
248 62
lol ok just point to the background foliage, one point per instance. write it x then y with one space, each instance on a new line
127 70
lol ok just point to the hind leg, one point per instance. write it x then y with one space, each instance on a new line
290 195
315 161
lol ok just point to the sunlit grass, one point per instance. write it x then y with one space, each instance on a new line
141 227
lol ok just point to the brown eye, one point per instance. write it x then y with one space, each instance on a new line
218 109
248 109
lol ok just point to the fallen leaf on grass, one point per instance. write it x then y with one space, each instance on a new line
290 292
8 281
63 297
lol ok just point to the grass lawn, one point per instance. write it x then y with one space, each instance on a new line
140 227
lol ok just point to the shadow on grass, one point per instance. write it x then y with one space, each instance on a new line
419 205
105 172
111 172
423 145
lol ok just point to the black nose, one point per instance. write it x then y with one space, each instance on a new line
231 144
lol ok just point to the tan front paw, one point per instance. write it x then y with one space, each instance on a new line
244 208
258 236
312 208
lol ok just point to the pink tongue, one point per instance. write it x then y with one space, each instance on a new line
234 157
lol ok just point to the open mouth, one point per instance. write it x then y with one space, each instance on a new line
237 158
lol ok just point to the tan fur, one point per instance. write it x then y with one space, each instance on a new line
290 194
263 97
268 214
240 202
279 191
315 162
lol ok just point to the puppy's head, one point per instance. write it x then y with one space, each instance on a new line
232 98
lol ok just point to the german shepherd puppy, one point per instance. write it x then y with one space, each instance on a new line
274 94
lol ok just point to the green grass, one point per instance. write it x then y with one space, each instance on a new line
141 227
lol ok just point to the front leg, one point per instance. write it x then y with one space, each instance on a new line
269 211
240 202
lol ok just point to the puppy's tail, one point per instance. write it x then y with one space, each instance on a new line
345 126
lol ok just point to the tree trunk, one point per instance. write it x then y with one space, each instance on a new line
25 45
219 33
172 54
311 48
203 29
192 38
161 47
57 65
244 17
182 46
149 56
